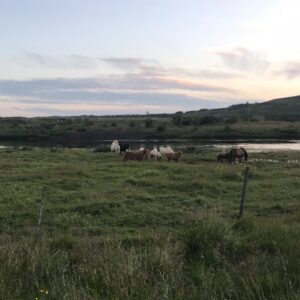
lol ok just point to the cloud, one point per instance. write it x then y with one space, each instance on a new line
108 97
133 65
59 62
137 84
290 70
115 83
127 63
127 96
243 59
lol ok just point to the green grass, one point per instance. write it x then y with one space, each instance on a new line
152 230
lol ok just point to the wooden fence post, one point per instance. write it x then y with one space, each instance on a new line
43 194
246 176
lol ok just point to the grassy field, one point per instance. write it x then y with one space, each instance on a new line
148 230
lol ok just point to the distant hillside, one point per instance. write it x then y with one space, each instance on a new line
283 109
276 119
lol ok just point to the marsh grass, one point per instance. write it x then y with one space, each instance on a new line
147 230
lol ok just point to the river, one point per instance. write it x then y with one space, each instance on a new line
253 146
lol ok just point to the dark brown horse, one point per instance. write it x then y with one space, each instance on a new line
237 153
222 156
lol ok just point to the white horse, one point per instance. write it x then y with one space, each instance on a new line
156 154
166 150
115 146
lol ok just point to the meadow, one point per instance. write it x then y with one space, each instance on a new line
148 230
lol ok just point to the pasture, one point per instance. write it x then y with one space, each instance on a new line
148 229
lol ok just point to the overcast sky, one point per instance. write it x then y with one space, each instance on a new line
75 57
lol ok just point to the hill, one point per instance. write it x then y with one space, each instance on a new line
275 119
282 109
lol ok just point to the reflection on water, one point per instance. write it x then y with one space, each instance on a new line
253 147
223 146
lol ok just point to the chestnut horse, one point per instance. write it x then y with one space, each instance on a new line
173 156
135 155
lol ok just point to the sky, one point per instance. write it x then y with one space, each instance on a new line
94 57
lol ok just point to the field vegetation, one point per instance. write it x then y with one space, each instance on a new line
277 119
147 230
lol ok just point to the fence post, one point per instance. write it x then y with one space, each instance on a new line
43 194
246 176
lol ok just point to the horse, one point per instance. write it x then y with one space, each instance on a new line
165 151
155 154
222 156
173 156
239 153
148 155
135 155
115 146
123 148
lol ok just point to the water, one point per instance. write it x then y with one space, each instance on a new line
257 146
261 147
223 146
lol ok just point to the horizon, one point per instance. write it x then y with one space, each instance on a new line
99 58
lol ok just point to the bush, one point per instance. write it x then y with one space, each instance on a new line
209 120
148 123
232 120
132 124
160 128
177 119
186 122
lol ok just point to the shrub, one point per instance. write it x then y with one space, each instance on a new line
232 120
177 119
160 128
148 123
132 124
186 122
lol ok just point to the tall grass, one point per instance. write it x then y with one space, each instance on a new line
148 230
214 258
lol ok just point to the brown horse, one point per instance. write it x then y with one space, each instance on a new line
135 155
222 156
238 153
173 156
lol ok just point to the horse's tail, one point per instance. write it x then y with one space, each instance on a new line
245 153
